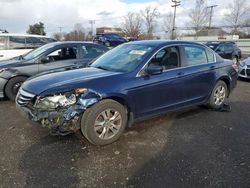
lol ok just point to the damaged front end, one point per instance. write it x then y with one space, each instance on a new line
59 113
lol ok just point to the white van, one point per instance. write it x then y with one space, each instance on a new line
13 45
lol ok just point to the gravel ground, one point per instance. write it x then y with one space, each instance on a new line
195 147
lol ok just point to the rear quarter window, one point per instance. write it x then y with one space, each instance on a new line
210 55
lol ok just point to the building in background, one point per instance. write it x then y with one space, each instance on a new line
109 30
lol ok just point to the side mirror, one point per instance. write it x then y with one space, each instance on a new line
45 60
154 69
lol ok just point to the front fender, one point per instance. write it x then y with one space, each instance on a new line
11 73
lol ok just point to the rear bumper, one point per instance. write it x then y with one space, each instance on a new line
2 85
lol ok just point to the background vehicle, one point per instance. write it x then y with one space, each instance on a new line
244 68
109 39
227 50
144 79
52 56
13 45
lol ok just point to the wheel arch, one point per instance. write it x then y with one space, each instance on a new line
123 101
13 76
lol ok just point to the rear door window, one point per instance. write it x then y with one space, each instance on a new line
210 55
194 55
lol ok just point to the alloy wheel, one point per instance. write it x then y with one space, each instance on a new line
108 124
219 95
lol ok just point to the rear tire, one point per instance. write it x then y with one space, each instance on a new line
104 122
13 86
218 95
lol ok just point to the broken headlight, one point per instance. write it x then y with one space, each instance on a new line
55 101
61 100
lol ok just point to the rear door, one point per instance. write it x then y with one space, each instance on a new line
197 74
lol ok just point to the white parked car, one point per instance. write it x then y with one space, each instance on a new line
244 68
13 45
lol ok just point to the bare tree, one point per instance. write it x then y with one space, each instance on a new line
149 15
132 24
199 15
78 34
236 16
57 36
247 27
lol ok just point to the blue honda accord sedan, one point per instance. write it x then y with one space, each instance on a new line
131 82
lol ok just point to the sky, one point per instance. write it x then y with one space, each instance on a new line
17 15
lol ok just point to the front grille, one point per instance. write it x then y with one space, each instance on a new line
242 72
23 97
248 66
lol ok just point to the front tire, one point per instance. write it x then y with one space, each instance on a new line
13 86
218 95
104 122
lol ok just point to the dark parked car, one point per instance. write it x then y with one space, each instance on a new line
109 39
227 50
52 56
131 82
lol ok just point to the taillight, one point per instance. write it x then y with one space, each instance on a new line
235 67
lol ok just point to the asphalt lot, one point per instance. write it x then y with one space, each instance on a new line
192 148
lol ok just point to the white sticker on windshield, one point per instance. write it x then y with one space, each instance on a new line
137 52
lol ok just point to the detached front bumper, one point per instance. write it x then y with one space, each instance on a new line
60 121
244 72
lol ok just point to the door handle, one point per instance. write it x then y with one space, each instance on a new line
179 74
1 55
212 67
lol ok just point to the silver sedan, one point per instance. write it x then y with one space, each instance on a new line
244 68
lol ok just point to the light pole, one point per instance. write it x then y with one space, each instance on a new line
176 4
60 31
92 22
211 14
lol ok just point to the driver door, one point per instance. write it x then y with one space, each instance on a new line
156 93
62 58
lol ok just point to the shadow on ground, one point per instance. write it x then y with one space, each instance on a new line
207 153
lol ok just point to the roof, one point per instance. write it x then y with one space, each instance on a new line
162 42
74 42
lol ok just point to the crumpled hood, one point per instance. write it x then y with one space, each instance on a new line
64 79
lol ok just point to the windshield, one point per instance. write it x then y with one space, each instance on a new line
34 53
124 58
